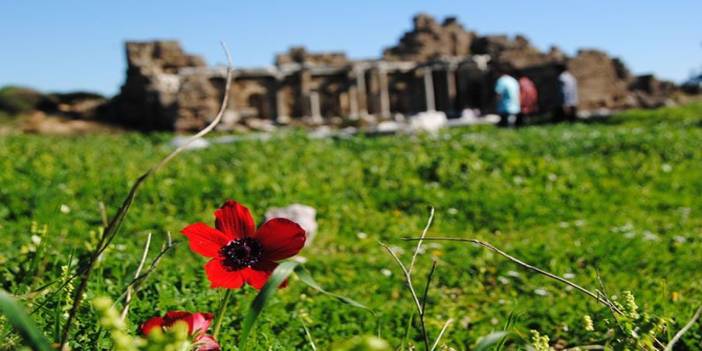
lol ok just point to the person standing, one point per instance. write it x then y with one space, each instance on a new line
507 90
528 98
568 95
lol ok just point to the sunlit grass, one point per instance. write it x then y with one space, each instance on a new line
621 198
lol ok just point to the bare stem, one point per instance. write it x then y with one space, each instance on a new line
221 311
112 228
410 285
419 243
134 284
426 287
441 334
523 264
130 288
684 330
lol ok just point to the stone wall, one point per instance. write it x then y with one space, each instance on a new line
154 89
434 66
603 82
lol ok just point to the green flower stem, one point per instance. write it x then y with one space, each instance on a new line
219 317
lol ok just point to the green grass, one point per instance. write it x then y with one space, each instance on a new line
622 198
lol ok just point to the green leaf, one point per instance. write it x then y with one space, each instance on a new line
20 320
490 340
279 275
306 278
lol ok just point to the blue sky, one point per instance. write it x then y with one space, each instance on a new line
78 45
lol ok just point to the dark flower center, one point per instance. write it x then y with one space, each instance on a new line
241 253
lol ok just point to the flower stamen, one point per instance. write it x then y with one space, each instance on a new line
241 253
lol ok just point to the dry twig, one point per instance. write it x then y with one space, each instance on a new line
523 264
420 304
441 333
130 288
684 330
112 228
419 243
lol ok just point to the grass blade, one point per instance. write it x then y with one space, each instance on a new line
306 278
308 335
279 275
490 340
19 319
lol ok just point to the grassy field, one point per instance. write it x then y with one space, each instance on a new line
621 198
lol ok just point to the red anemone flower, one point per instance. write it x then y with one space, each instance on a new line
241 253
197 327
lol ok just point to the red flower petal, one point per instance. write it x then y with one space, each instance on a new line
256 278
204 239
234 220
220 277
280 238
206 343
200 323
149 325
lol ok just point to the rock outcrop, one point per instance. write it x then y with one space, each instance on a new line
429 40
300 55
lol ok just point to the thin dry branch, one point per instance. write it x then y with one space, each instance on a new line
112 228
441 333
130 288
419 243
410 285
523 264
135 283
426 287
408 277
684 330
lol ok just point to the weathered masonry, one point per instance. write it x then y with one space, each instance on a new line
434 67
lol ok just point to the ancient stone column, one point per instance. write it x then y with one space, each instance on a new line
282 115
315 106
384 93
429 89
353 102
305 79
361 91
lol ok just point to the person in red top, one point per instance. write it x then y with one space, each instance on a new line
528 98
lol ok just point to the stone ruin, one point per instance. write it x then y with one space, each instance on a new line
434 67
